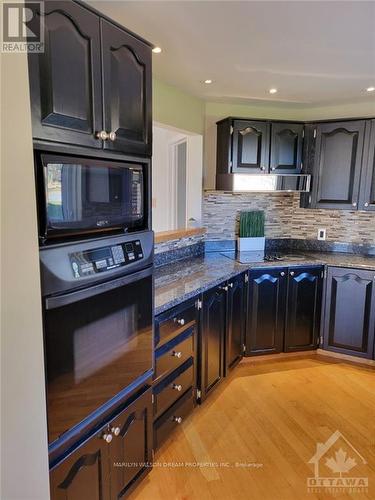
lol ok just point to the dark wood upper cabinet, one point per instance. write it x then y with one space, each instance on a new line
65 80
127 90
303 309
212 339
286 148
250 146
84 475
236 316
349 322
367 192
266 311
337 164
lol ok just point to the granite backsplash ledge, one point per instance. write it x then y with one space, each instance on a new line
177 249
285 219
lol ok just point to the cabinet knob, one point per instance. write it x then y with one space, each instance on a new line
112 136
282 273
273 168
354 204
367 204
230 285
102 135
263 168
107 437
292 273
177 387
225 288
178 420
181 321
177 354
116 430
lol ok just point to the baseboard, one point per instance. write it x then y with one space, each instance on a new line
346 357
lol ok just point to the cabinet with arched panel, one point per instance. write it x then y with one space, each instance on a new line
286 148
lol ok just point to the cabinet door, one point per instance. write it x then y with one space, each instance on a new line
286 148
337 167
250 146
127 90
131 447
65 80
367 194
84 475
350 312
303 309
235 337
212 339
266 311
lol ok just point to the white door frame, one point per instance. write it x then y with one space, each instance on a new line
173 188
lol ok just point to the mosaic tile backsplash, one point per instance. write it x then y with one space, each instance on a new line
284 218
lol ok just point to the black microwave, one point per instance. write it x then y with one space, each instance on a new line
79 197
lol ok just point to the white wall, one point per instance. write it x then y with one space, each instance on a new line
24 463
162 178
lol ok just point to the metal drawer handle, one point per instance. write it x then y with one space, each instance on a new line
107 437
181 321
116 430
178 420
177 387
177 354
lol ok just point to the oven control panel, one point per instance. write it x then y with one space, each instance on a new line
102 259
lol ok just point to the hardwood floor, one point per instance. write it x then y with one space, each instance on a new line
269 416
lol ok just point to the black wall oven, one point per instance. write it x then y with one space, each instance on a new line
82 196
98 326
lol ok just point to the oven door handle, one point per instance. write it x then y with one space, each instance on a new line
91 291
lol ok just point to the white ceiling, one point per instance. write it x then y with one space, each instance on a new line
314 52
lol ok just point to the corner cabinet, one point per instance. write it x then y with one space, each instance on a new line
367 191
92 79
284 310
108 465
349 321
236 320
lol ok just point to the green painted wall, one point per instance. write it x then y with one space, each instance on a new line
176 108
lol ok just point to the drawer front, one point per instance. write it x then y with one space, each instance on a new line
178 320
173 418
172 389
174 355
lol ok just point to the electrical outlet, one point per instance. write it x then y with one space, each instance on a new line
322 234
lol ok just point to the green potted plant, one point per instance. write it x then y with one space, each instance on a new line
251 232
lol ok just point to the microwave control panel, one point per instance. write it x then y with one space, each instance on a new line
103 259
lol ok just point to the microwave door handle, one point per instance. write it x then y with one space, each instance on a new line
91 291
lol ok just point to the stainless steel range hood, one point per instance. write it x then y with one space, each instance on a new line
263 183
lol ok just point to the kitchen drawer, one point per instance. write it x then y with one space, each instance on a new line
174 354
173 387
174 322
172 418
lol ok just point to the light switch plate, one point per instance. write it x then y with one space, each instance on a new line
322 233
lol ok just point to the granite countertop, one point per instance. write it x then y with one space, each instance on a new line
184 279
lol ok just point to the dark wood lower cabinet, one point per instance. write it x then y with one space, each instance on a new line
303 309
212 339
266 311
349 321
101 470
236 321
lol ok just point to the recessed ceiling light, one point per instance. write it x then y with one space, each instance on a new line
156 50
208 81
370 89
273 91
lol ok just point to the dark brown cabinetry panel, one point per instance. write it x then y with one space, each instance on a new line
212 339
266 311
132 445
367 193
250 146
303 309
337 166
84 475
350 312
127 90
286 148
65 80
236 316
